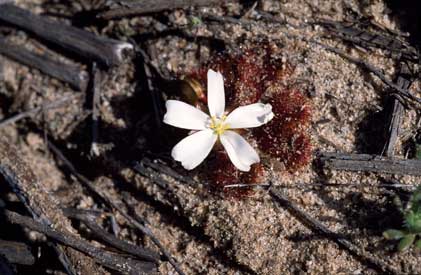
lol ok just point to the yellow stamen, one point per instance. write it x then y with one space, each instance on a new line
218 125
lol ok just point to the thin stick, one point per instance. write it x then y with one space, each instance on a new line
106 51
33 112
312 185
350 31
318 227
403 92
42 207
110 260
370 163
110 239
397 113
154 93
82 179
96 96
145 230
377 72
74 76
132 8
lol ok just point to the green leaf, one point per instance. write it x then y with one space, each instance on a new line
393 234
398 203
418 244
416 226
196 21
418 151
406 242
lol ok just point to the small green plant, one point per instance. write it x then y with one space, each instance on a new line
195 21
412 223
418 151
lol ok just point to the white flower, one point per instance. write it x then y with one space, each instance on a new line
192 150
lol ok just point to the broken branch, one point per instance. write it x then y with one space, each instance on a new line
85 44
370 163
113 261
132 8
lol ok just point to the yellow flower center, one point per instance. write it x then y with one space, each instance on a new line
218 125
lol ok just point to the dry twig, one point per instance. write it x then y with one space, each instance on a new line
370 163
96 97
133 8
398 111
74 76
88 184
318 227
16 253
84 44
110 239
110 260
42 206
35 111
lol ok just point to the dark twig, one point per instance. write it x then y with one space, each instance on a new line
5 267
376 71
42 207
151 87
85 44
132 8
359 35
16 253
96 97
398 110
370 163
110 260
30 113
318 185
318 227
110 239
141 225
113 205
72 75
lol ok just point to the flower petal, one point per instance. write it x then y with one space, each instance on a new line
253 115
240 152
192 150
183 115
216 94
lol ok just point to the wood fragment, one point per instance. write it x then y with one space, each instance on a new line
370 163
5 267
320 228
72 75
16 253
86 45
133 8
43 207
110 260
398 110
110 239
